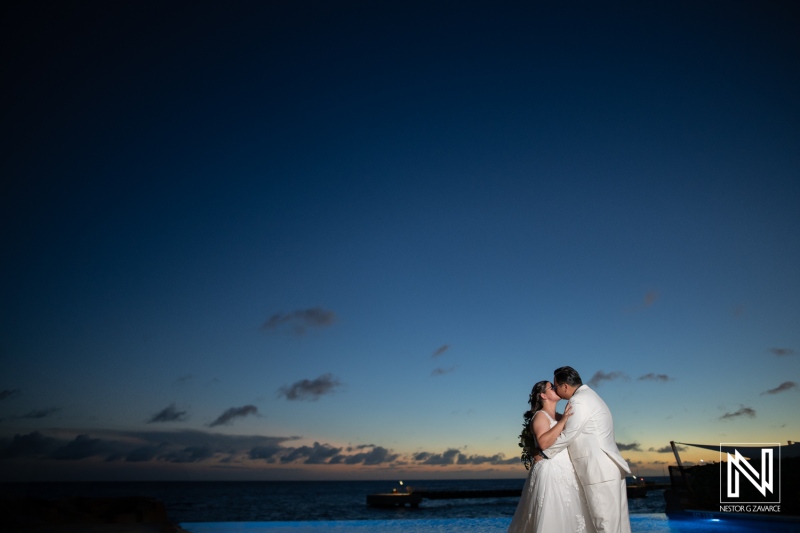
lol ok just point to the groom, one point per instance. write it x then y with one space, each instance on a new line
589 437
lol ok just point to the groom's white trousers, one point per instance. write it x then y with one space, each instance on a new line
608 505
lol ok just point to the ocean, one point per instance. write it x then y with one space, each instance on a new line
290 501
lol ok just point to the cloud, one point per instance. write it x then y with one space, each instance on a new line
442 371
454 456
191 446
449 457
650 298
782 352
197 446
655 377
183 380
786 385
9 393
360 447
269 453
311 455
440 350
40 413
145 453
32 444
315 317
310 389
378 455
629 447
324 454
234 412
497 459
190 454
601 376
168 414
668 449
83 447
744 411
187 446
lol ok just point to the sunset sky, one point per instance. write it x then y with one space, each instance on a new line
343 239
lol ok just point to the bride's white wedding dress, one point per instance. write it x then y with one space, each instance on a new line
552 499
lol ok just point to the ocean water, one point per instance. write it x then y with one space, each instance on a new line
303 501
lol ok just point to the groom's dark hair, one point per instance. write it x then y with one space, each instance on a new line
568 375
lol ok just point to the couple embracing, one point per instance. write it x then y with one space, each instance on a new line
582 490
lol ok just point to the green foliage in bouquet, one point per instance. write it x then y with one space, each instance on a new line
527 442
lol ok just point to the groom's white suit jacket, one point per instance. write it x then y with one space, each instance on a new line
589 436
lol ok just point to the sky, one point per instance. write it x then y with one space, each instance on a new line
342 240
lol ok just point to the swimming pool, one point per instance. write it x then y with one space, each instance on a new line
640 523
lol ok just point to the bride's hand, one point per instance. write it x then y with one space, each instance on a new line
567 412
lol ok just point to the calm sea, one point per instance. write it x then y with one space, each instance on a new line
258 501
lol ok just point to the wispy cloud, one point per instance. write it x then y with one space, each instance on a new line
183 380
233 413
301 319
311 455
360 447
782 352
600 376
40 413
310 389
783 387
168 414
8 393
377 456
650 298
449 457
744 411
634 446
440 350
667 449
439 371
454 456
497 459
655 377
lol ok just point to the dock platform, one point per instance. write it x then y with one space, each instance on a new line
414 498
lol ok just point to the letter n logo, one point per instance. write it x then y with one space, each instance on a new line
763 481
737 464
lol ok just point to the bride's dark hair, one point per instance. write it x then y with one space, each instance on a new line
535 399
527 441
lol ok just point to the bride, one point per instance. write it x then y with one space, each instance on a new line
552 498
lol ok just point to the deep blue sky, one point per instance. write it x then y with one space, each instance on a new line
344 239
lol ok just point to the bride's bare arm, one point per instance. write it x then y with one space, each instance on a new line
545 435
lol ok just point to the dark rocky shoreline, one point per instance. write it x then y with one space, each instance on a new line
100 515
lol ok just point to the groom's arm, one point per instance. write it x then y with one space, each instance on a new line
573 428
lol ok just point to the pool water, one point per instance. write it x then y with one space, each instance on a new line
640 523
